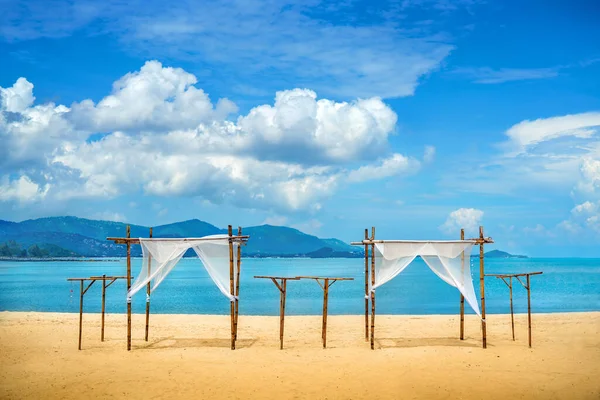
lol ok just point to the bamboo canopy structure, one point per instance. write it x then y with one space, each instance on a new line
82 292
234 274
527 286
369 244
324 282
327 282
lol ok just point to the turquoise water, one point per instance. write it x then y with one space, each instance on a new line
566 285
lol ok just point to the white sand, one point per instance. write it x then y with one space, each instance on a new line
188 356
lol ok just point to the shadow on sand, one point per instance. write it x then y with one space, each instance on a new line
384 343
174 343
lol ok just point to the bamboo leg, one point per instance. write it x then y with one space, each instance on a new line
231 289
462 297
80 311
282 313
366 287
148 289
512 317
128 287
325 299
103 305
237 283
372 291
482 289
529 309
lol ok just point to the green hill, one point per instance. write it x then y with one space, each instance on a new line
87 238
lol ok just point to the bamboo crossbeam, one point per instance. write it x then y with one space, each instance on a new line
119 240
473 241
325 277
293 278
97 278
514 275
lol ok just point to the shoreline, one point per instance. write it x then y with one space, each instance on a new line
188 356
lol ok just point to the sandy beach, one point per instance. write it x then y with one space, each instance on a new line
188 356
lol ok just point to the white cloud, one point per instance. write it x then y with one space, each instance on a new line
590 176
276 220
17 98
310 227
297 42
529 133
429 154
110 216
548 154
468 219
23 190
391 166
488 75
154 98
166 138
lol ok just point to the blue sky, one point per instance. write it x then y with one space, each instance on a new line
418 117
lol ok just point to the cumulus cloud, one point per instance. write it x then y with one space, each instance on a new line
164 137
23 190
17 98
153 98
468 219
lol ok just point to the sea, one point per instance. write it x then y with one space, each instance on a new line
566 285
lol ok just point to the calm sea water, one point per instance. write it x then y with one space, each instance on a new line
566 285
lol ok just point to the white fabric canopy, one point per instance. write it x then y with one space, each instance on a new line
161 255
448 260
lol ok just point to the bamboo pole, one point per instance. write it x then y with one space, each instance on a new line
366 287
282 312
482 287
512 316
372 291
237 283
103 305
231 288
462 297
529 308
80 311
128 287
325 300
148 289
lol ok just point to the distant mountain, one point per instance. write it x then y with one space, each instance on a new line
87 238
501 254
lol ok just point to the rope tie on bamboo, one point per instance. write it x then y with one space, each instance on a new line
128 299
147 298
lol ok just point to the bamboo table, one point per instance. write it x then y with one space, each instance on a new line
83 291
282 286
527 286
327 282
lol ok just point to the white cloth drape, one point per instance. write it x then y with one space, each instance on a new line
448 260
161 255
